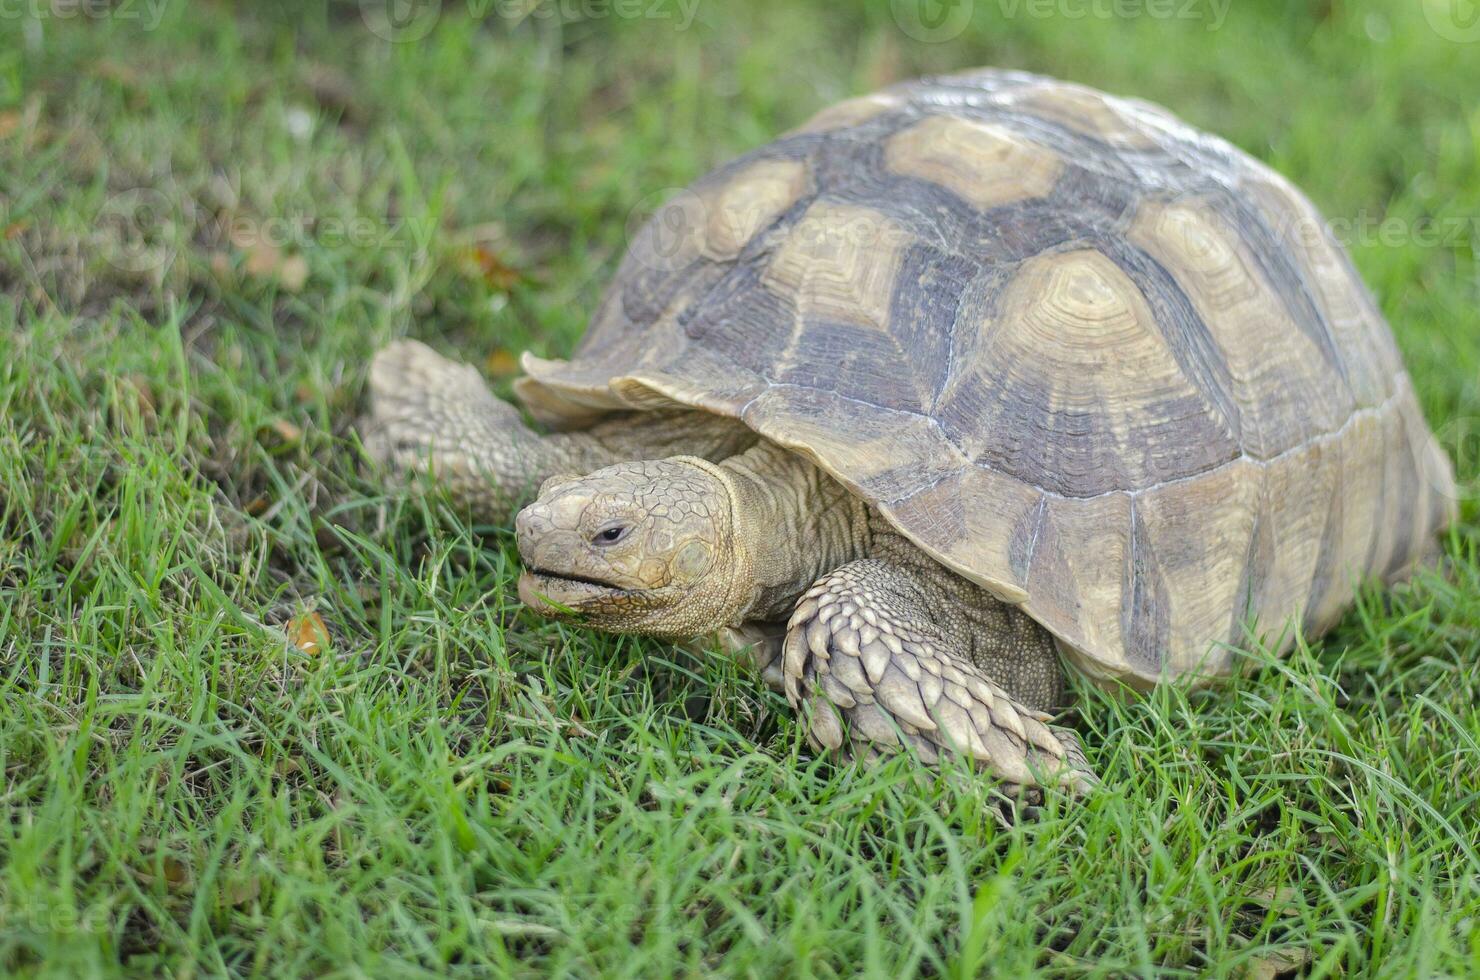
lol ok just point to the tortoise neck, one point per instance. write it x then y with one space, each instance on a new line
792 524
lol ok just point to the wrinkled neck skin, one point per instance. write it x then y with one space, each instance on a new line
792 523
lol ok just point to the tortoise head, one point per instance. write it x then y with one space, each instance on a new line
643 547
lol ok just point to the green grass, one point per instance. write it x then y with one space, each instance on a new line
452 786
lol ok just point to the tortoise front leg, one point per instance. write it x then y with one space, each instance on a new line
429 416
872 671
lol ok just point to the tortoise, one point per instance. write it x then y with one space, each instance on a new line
960 383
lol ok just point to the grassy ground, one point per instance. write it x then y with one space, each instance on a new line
208 220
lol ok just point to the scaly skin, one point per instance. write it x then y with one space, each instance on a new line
875 644
643 547
433 417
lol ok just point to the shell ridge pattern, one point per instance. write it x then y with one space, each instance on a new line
763 243
1326 437
1197 359
1267 254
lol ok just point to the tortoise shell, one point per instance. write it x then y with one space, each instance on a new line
1104 365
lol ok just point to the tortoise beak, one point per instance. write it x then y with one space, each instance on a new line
561 598
547 542
544 528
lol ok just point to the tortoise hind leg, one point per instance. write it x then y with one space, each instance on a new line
873 671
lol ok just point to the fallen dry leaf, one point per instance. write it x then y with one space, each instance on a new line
1281 899
10 121
266 261
287 431
332 89
240 889
326 539
120 74
1277 962
16 229
293 273
307 633
263 259
143 393
481 262
161 864
502 362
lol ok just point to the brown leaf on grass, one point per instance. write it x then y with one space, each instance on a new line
15 229
240 889
292 273
263 259
502 363
1281 899
287 431
1284 961
124 76
139 388
280 436
10 121
486 265
307 633
332 89
157 863
266 261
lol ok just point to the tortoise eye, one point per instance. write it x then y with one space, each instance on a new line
610 535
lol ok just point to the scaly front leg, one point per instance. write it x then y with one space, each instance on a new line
867 666
430 416
433 417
